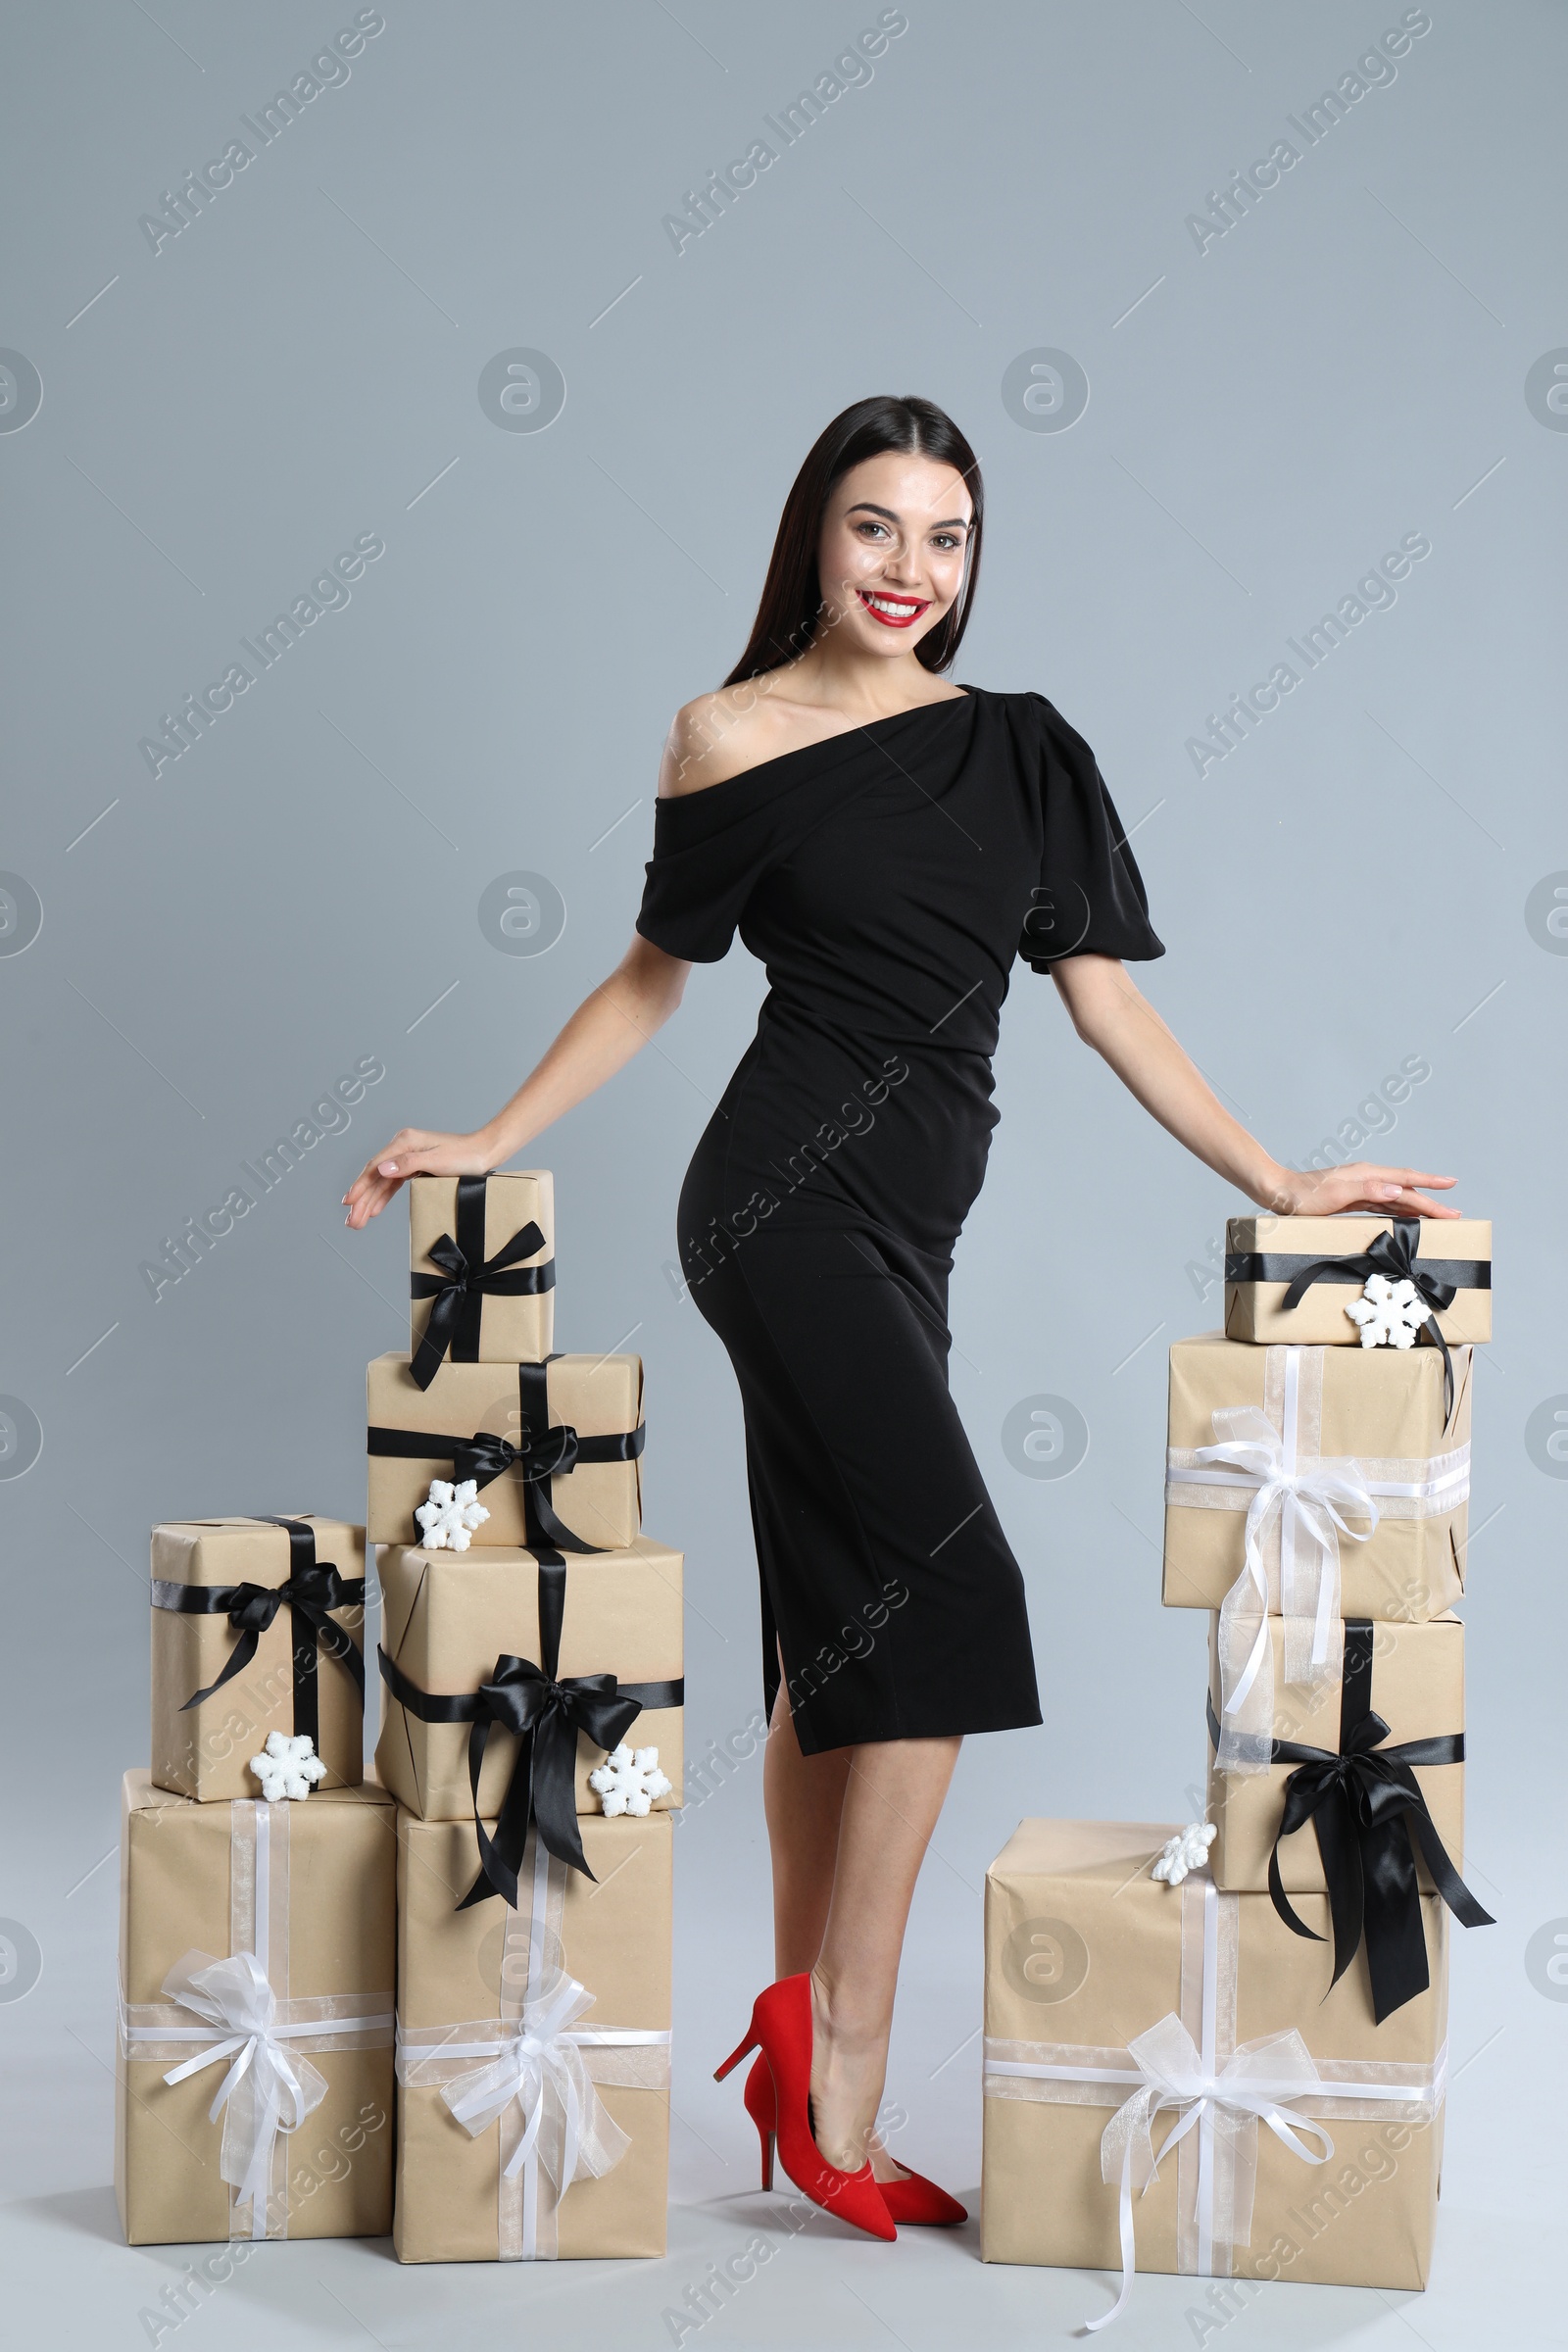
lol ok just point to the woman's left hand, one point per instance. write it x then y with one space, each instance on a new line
1332 1192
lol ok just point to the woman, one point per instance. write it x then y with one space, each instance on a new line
888 843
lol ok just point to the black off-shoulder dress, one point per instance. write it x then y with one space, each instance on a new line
886 877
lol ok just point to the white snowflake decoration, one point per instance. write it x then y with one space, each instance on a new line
628 1781
288 1767
450 1513
1390 1313
1187 1851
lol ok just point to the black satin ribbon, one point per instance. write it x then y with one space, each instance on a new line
466 1279
549 1450
310 1591
1370 1818
1394 1254
546 1712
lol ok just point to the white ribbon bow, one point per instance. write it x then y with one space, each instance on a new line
1309 1500
276 2088
1255 2085
540 2066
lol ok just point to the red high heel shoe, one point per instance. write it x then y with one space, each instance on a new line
914 2200
781 2026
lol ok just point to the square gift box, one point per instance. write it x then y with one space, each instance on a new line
1412 1676
1303 1443
266 1617
552 1446
455 1626
482 1269
263 1934
511 2018
1122 2013
1265 1256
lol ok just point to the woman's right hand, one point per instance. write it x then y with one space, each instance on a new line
415 1152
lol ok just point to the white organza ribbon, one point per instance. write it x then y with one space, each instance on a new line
1218 2090
540 2066
284 2087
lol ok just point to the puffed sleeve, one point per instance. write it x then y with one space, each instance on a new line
1090 899
711 850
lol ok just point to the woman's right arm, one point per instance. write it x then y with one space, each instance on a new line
603 1034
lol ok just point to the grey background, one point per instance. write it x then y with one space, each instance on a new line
1346 890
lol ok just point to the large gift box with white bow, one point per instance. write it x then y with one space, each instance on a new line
253 2079
1358 1280
1167 2088
258 1626
538 1663
482 1269
533 2050
501 1454
1337 1480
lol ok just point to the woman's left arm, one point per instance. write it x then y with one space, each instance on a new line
1110 1014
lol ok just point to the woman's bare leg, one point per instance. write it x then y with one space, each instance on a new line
849 1830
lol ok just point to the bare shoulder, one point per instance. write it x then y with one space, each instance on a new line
721 735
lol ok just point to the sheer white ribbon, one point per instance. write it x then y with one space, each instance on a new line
283 2086
540 2067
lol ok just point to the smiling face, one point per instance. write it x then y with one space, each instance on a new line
890 558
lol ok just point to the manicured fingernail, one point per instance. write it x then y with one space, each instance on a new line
388 1167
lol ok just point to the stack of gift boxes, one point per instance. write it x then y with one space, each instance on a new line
436 2002
1221 2050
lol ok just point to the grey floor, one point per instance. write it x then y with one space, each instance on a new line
70 2282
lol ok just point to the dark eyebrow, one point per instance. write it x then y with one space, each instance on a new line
865 506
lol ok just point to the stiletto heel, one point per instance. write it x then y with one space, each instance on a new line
778 2092
915 2199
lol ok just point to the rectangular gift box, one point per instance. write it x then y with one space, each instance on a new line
448 1618
1416 1686
578 1957
205 1751
1086 1954
1263 1256
1376 1413
568 1409
308 1889
508 1315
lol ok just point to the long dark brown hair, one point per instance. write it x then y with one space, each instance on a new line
790 609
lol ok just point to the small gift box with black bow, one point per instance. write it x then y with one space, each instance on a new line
510 1675
1310 1281
482 1254
553 1453
258 1626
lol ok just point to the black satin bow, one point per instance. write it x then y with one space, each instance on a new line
467 1278
1394 1254
1370 1818
547 1449
310 1591
544 1711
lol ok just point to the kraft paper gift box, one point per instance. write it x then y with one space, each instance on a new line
1265 1256
1113 2000
215 1590
450 1623
1355 1430
507 1426
582 1968
262 1932
482 1260
1412 1676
